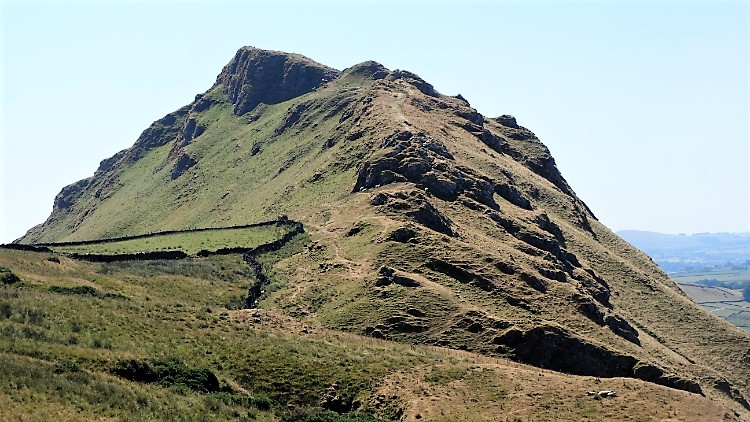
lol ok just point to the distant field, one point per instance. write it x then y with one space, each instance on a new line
725 275
188 242
724 302
738 313
702 294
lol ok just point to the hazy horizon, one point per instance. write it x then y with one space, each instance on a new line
645 106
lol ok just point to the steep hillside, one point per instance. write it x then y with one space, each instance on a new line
430 222
74 334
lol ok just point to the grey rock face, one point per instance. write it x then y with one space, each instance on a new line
260 76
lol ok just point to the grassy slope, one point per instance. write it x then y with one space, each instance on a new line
57 350
684 343
230 185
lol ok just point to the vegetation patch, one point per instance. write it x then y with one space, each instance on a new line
85 291
7 276
169 372
322 415
260 402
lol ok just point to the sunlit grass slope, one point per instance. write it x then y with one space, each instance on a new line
61 348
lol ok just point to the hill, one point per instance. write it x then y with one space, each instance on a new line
429 224
68 354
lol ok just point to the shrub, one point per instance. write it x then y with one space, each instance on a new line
321 415
66 366
33 334
54 259
96 344
170 372
33 316
7 276
84 291
6 310
77 290
262 402
232 399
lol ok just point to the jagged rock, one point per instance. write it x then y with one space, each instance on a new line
183 163
192 130
471 115
470 325
417 207
535 282
379 199
727 388
402 235
387 276
648 371
555 348
401 324
556 274
415 312
616 323
333 401
291 117
374 332
369 70
202 103
70 194
461 274
622 328
160 133
356 228
512 195
414 80
260 76
595 286
543 221
427 215
426 162
462 99
507 120
505 267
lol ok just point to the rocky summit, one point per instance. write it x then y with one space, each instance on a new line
429 224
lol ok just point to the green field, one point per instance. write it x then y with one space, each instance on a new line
722 275
188 242
719 292
738 313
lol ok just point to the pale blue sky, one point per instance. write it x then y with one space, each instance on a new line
644 105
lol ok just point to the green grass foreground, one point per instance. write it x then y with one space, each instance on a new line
174 349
